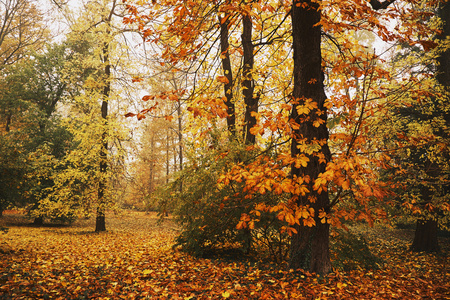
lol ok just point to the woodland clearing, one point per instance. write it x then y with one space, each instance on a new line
135 260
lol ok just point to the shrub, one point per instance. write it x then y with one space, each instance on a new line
351 251
209 212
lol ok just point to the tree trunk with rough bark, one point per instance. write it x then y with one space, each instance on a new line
100 222
309 248
8 122
248 84
425 238
226 67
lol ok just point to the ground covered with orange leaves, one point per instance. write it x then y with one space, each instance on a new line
134 260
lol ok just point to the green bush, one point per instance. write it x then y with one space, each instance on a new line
209 212
209 222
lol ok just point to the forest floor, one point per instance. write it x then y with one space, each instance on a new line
134 260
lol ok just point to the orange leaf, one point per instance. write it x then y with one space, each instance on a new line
148 97
428 45
222 79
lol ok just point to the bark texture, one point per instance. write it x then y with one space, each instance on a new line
425 238
226 67
310 246
250 100
100 221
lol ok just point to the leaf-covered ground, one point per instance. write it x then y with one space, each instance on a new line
134 260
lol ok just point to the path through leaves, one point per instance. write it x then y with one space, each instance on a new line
134 260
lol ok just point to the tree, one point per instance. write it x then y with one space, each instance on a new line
96 165
309 245
155 163
228 72
419 168
330 175
443 78
33 88
22 28
436 168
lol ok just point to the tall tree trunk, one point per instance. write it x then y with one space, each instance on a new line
179 134
444 79
226 68
251 102
174 153
309 248
180 142
152 184
425 238
443 67
100 222
8 121
167 156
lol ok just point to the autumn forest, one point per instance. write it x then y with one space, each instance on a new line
248 149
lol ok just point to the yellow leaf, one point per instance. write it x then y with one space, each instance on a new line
341 285
147 271
251 225
302 110
318 122
226 294
304 214
301 161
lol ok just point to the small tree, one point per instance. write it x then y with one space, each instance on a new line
33 88
213 214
